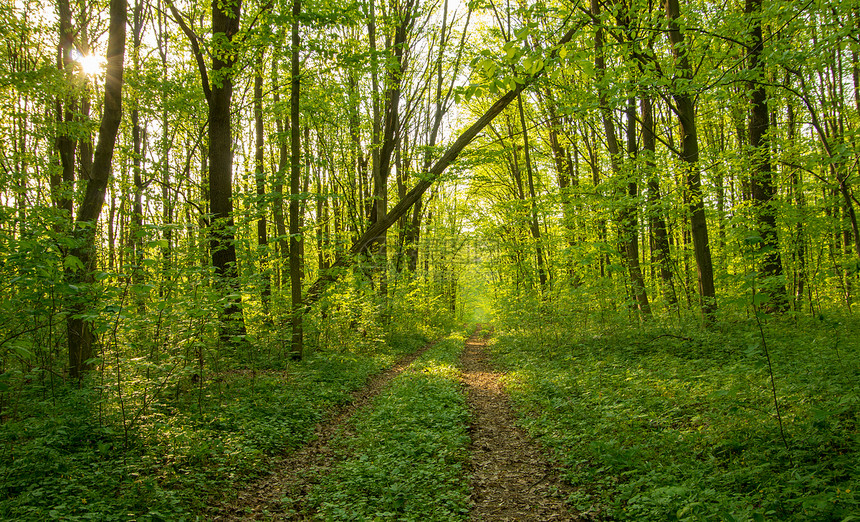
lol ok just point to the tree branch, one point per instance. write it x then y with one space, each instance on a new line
195 49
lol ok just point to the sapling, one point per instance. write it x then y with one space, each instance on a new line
757 316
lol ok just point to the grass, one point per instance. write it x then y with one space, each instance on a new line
660 423
67 457
405 457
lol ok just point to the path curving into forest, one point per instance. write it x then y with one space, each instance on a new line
512 480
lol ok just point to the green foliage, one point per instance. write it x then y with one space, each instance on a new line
137 450
405 459
668 423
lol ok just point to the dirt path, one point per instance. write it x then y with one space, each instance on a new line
280 495
511 479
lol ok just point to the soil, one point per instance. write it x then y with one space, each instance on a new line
511 477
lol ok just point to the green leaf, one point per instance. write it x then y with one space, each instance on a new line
72 263
761 298
23 353
157 243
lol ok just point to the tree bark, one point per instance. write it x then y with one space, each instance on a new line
686 113
297 341
80 333
762 187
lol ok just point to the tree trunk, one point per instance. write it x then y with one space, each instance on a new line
627 215
658 221
62 185
534 225
563 168
260 182
225 21
80 333
763 190
278 184
297 341
630 223
686 113
137 160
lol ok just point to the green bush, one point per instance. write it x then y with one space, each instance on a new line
69 457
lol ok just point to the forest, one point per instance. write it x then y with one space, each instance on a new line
256 254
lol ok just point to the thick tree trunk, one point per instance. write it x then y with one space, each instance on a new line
225 21
686 113
763 190
80 333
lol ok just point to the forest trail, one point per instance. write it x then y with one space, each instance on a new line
511 479
297 472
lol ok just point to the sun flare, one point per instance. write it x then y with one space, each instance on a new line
91 64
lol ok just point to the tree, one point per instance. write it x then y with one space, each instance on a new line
218 91
80 328
297 342
451 154
686 113
762 185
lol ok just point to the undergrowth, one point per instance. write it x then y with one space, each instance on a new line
64 456
667 423
406 454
